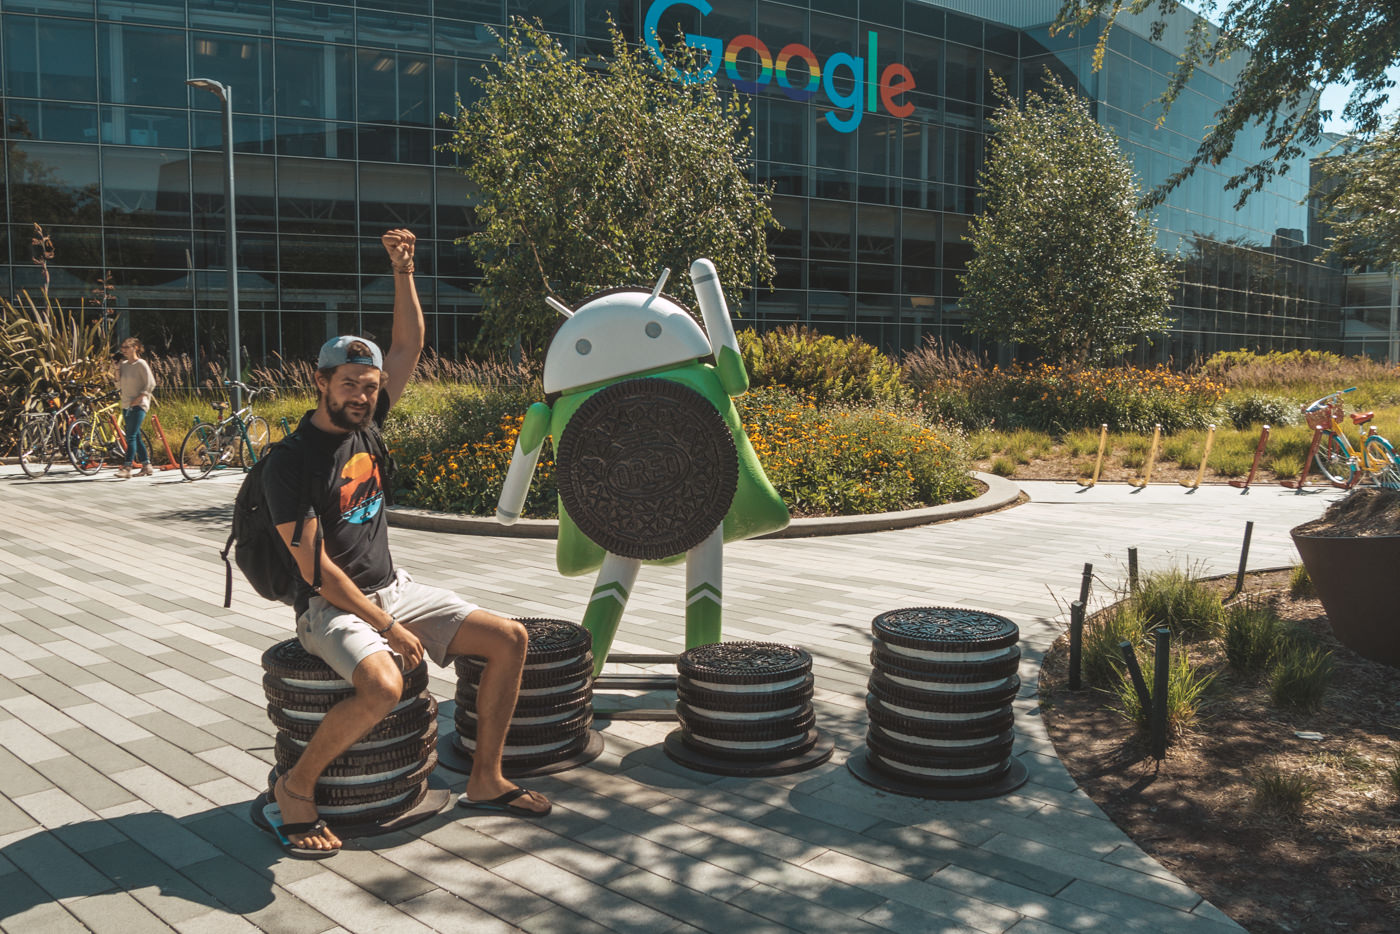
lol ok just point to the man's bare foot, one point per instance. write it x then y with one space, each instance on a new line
479 791
298 808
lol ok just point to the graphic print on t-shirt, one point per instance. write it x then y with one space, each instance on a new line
361 493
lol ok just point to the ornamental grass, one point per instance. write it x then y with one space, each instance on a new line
1047 397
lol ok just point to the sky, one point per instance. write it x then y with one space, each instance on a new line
1334 98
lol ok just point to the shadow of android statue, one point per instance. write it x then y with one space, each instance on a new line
651 460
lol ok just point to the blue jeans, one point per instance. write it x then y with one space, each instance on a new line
135 443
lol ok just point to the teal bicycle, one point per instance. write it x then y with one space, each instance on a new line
235 440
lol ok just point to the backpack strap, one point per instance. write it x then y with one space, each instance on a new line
306 493
228 571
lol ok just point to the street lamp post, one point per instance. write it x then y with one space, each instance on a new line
224 93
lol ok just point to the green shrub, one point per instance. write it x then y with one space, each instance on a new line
1252 636
1247 409
1082 443
1300 585
1185 606
1003 466
828 369
1283 794
1186 689
1100 657
1300 676
1058 400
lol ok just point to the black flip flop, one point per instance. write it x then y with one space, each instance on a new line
273 814
503 804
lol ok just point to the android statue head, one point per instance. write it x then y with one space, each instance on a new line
617 333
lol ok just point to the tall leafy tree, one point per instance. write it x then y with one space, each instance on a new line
1294 49
1063 261
1361 202
594 174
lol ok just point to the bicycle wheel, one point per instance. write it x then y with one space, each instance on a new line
1381 464
200 451
259 438
87 449
1334 463
36 446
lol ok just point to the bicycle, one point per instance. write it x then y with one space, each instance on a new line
46 418
98 437
238 439
1375 463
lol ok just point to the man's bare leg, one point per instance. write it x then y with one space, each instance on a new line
378 684
503 643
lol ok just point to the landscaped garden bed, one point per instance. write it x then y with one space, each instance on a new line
1280 807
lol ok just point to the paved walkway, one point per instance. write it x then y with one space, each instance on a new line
133 736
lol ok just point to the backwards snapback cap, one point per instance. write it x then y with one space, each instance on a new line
349 349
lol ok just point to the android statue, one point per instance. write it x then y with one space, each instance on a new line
653 464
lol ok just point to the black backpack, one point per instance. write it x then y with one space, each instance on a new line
256 544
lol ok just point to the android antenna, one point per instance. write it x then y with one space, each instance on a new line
559 306
661 281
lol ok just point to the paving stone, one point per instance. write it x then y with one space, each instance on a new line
116 912
54 693
897 916
152 881
799 913
497 895
17 778
87 785
673 865
689 905
443 911
13 818
386 881
264 905
617 912
560 920
347 903
36 915
97 751
58 870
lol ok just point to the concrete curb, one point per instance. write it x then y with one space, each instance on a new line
1000 492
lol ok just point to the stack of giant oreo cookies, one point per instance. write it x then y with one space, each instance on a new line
379 783
550 729
940 704
746 709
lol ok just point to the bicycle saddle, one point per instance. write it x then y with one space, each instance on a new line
1361 418
219 406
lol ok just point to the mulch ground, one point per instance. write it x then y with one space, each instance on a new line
1335 867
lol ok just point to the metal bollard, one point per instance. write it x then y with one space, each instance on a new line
1076 643
1161 671
1086 583
1135 672
1132 570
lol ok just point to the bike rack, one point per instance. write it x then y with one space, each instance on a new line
169 451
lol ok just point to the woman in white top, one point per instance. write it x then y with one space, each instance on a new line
135 382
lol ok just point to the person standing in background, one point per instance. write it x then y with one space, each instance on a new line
135 383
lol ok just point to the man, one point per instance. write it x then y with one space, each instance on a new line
370 621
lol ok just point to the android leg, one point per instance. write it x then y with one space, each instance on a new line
704 586
615 581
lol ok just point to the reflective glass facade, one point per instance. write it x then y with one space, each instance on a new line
337 121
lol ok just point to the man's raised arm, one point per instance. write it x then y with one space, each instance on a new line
406 342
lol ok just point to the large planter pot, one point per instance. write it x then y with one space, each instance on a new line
1356 579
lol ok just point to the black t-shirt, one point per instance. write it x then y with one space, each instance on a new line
345 493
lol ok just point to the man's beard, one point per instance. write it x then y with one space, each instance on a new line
341 417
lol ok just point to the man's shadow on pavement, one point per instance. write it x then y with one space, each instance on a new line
217 859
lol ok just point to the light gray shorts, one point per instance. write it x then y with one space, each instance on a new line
343 640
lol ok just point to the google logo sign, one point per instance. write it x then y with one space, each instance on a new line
866 93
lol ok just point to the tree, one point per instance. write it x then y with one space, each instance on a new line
1295 48
1360 202
1062 259
598 174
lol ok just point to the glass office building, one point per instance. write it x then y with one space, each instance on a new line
869 121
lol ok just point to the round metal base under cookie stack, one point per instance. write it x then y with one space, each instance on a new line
379 784
940 705
746 710
550 730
